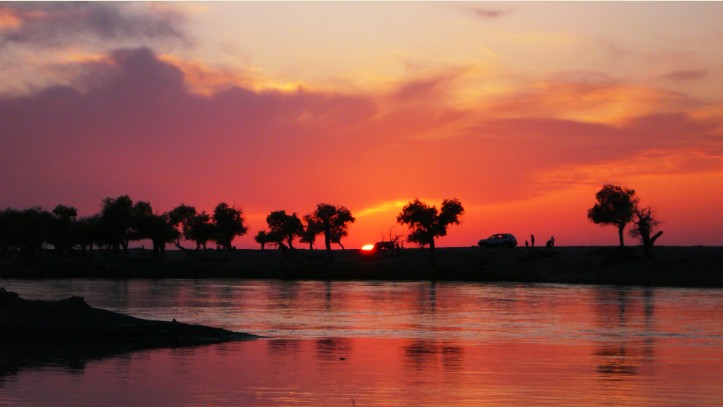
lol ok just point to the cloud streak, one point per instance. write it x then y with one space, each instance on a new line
488 13
55 24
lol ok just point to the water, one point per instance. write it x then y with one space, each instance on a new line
386 344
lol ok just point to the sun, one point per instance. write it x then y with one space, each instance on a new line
368 247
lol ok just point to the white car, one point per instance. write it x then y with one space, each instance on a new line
499 240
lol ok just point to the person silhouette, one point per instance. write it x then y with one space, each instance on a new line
532 240
551 242
527 244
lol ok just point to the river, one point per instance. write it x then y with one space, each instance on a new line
386 344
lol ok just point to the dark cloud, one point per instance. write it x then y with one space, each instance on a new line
140 131
687 75
489 13
59 23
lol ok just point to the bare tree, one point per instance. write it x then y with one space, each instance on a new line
645 224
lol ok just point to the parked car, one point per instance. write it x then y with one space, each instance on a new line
499 240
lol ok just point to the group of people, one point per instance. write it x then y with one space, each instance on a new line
531 242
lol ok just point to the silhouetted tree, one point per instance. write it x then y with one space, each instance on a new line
334 222
181 218
615 206
116 222
155 227
229 223
645 223
61 229
263 239
200 230
10 223
284 227
27 230
87 233
336 236
141 221
427 223
312 227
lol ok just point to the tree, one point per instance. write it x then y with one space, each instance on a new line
229 223
141 220
427 223
87 232
615 206
312 227
61 228
160 231
334 222
200 230
645 223
284 227
263 239
116 221
181 218
25 230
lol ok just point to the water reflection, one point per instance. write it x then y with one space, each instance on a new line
423 355
392 344
626 319
283 346
328 349
71 356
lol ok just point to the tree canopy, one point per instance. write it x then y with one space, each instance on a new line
334 222
229 224
426 223
284 228
615 206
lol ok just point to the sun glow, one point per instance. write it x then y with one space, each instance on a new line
368 247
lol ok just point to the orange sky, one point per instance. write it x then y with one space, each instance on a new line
520 110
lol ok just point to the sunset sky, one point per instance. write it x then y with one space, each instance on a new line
521 110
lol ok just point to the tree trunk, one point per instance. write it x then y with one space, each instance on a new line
327 242
432 253
621 229
648 245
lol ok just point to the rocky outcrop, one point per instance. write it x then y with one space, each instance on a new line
74 320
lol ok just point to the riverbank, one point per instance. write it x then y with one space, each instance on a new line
695 266
73 320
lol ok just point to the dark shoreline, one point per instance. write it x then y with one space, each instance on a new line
674 266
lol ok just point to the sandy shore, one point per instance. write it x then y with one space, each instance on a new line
672 266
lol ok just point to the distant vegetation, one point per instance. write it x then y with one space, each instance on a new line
119 222
122 221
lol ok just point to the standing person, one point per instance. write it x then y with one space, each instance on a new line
552 241
532 240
